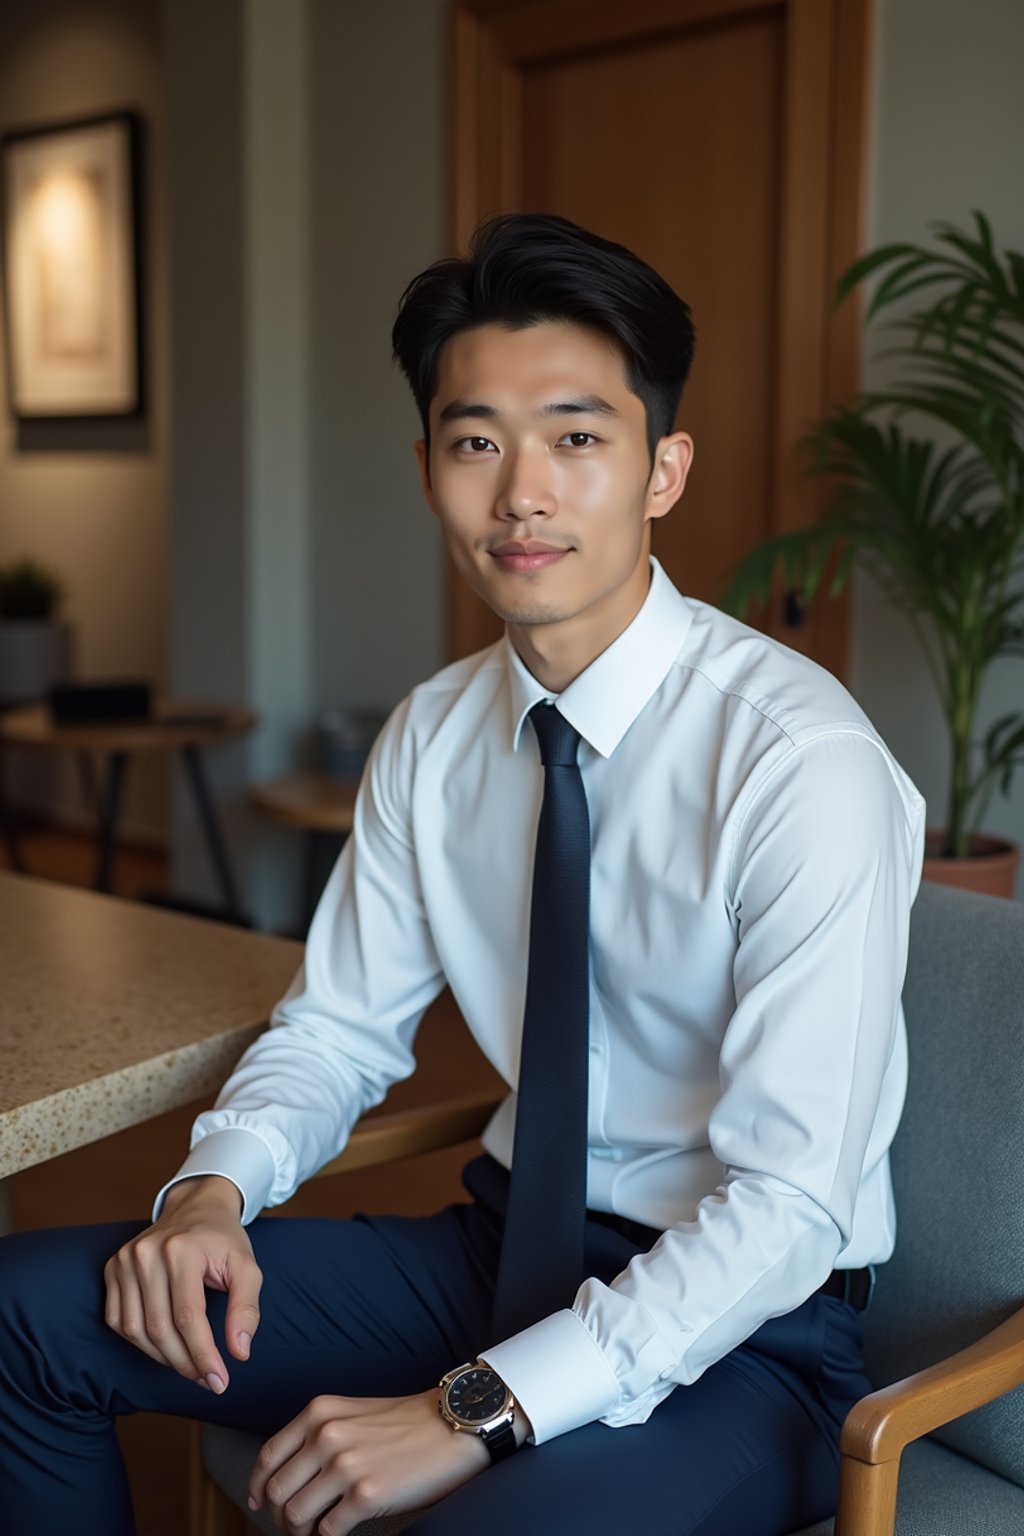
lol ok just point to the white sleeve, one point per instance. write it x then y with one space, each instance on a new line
825 868
344 1031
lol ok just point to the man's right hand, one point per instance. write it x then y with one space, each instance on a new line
155 1283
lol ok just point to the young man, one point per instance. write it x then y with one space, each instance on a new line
715 923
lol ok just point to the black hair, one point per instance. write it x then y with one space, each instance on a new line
527 268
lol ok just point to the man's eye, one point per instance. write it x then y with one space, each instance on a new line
575 436
474 444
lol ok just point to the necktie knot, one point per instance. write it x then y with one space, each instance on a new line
558 739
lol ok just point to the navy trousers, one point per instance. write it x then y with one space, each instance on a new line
381 1306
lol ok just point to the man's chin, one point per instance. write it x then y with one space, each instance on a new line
531 613
525 607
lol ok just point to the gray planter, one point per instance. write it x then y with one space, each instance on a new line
34 654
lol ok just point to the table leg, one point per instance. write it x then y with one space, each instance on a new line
10 836
319 857
211 828
87 780
14 852
310 865
109 811
5 1207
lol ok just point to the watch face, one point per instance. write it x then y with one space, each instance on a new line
477 1395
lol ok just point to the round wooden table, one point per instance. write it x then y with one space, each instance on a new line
319 805
173 726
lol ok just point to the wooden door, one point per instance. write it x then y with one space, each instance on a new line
722 141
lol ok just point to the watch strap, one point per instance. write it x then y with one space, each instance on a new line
500 1442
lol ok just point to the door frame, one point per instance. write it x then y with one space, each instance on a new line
822 195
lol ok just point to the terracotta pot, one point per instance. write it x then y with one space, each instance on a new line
991 866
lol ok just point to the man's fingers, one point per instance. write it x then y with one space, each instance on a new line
320 1493
300 1492
243 1314
112 1309
163 1317
187 1307
132 1322
274 1454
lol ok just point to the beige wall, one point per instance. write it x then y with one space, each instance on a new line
948 133
93 501
378 200
242 609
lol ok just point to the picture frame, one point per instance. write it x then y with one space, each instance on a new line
71 268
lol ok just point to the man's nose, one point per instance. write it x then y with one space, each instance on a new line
526 489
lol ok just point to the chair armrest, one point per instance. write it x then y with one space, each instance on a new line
408 1132
879 1428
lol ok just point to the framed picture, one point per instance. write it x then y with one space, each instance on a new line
71 268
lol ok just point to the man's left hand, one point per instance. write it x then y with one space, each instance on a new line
348 1459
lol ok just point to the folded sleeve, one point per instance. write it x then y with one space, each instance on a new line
824 868
344 1031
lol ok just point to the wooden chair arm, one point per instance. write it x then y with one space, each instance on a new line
879 1428
408 1132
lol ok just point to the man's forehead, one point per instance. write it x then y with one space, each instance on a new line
540 368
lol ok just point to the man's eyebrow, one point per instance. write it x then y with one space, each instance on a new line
461 408
579 405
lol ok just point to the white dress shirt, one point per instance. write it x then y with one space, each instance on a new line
756 850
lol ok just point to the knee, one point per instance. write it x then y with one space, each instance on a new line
52 1279
33 1284
23 1277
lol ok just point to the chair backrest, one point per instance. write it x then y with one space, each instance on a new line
958 1159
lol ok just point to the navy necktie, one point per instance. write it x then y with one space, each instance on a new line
541 1266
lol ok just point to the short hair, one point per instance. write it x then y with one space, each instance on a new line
526 269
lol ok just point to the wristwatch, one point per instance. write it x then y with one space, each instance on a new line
474 1400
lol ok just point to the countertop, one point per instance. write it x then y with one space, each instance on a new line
113 1013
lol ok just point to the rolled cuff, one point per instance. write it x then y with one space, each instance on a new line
237 1154
558 1374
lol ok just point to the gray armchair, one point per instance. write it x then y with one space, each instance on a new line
946 1326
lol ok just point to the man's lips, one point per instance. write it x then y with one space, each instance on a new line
526 555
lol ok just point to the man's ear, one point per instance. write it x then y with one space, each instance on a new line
672 461
423 458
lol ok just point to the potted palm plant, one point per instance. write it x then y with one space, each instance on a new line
928 477
35 647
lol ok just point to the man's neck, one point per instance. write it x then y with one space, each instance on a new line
556 654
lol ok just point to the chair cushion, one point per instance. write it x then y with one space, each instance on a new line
943 1494
958 1159
229 1454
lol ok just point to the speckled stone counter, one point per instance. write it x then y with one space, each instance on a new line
111 1012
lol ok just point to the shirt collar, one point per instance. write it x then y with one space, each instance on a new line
603 701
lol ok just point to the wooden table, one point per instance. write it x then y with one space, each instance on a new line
173 727
322 807
112 1013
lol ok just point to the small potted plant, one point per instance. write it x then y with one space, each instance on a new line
35 647
935 515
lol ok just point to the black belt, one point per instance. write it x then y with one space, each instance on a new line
852 1285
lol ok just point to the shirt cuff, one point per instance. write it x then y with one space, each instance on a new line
237 1154
558 1374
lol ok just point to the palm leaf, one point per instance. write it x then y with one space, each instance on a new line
941 530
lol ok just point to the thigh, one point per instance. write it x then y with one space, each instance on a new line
751 1447
369 1306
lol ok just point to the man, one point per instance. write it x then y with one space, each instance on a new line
712 933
